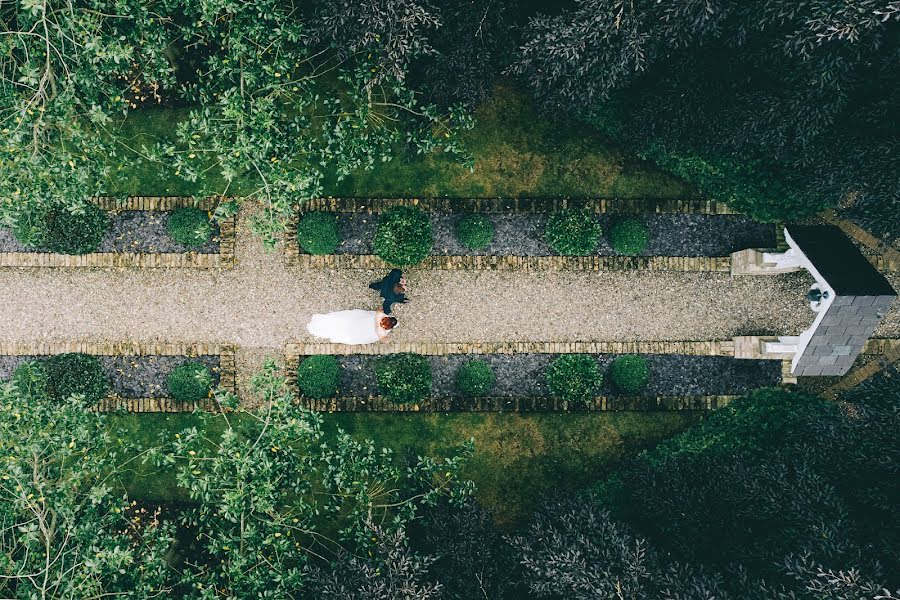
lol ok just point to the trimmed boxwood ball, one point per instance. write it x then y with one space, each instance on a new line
190 382
318 376
190 226
74 373
70 233
404 235
572 232
629 373
475 231
629 236
574 377
319 233
403 377
475 378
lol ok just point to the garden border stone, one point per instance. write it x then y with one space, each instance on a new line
224 259
225 352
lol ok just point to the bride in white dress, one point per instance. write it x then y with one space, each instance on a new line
352 326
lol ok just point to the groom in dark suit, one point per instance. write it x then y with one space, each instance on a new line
392 289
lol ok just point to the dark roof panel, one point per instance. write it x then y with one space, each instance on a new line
839 261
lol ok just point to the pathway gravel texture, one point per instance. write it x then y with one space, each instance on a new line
262 304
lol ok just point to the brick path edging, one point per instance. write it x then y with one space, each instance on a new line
224 259
225 352
524 205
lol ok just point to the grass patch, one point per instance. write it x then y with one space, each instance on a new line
518 458
516 154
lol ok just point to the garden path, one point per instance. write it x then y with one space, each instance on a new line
262 304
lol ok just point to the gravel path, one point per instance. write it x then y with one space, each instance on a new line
262 304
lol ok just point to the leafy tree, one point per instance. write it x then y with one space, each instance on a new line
778 107
272 495
66 69
66 530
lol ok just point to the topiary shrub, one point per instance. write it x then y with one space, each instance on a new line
572 232
475 231
403 377
70 233
32 380
404 235
475 378
318 376
629 236
319 233
629 373
574 377
70 374
190 382
190 226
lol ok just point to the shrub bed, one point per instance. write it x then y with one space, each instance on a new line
572 232
475 231
404 235
629 236
403 377
190 382
475 378
319 376
629 373
574 377
190 227
319 232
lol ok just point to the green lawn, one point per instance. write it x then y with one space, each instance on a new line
516 154
517 458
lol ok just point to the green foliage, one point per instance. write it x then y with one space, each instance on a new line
475 231
62 505
629 235
76 374
319 232
190 226
475 378
629 373
269 483
572 232
74 232
32 380
318 376
404 377
574 377
190 382
404 235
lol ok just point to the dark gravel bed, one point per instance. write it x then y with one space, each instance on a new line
522 234
130 376
129 231
522 375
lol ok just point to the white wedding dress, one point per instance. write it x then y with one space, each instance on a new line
345 327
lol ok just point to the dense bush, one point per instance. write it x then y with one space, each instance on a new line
69 374
70 233
572 232
319 233
404 235
190 382
403 377
319 376
475 378
629 373
574 377
629 236
32 380
190 226
475 231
